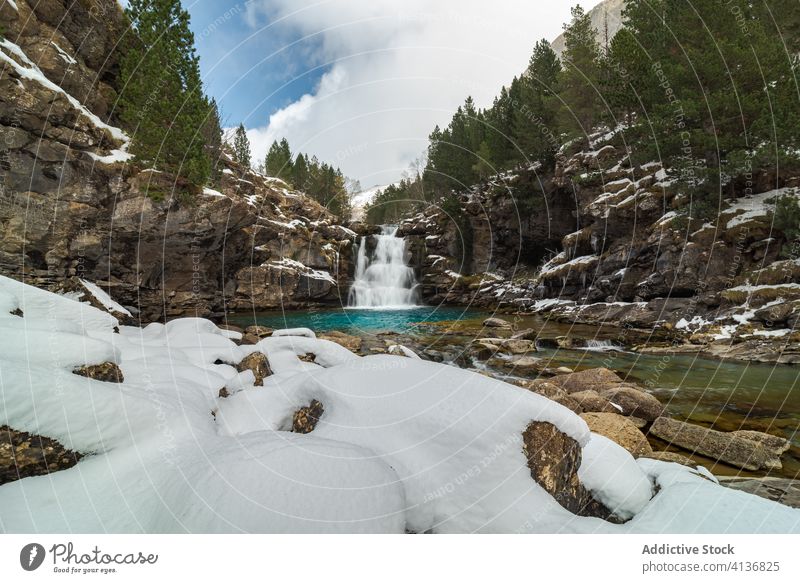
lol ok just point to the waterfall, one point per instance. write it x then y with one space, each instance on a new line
385 280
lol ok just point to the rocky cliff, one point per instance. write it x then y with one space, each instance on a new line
598 239
75 204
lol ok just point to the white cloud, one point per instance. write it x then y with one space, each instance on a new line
395 73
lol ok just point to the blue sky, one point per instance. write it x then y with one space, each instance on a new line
361 83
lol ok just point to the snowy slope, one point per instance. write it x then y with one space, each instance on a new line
403 444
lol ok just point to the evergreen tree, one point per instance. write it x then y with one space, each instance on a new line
241 146
580 80
535 124
300 172
279 160
212 136
161 97
483 167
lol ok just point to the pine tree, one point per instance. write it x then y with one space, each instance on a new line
212 136
241 146
580 80
300 172
279 160
534 123
483 167
162 96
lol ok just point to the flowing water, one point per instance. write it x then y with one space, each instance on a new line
384 280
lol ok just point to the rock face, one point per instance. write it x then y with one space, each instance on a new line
597 237
23 455
741 449
72 205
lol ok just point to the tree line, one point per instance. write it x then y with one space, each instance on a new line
707 87
175 127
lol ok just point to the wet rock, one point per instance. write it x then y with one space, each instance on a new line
258 363
527 334
352 343
635 402
520 364
620 430
596 379
496 323
725 447
23 455
592 401
783 490
107 372
305 419
259 331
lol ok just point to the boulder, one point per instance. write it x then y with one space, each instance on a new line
553 459
635 402
23 455
730 448
520 364
596 379
620 430
305 419
107 372
258 363
496 323
592 401
527 334
259 331
352 343
783 490
551 391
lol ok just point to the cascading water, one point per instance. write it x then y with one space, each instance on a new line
385 280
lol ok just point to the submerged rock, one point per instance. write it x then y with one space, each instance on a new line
751 453
496 323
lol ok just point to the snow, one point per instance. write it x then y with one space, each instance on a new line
752 207
294 332
610 473
104 298
291 264
578 261
29 70
211 192
63 54
402 444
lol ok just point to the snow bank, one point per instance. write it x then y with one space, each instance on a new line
402 444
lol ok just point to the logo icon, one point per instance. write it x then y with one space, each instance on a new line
31 556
